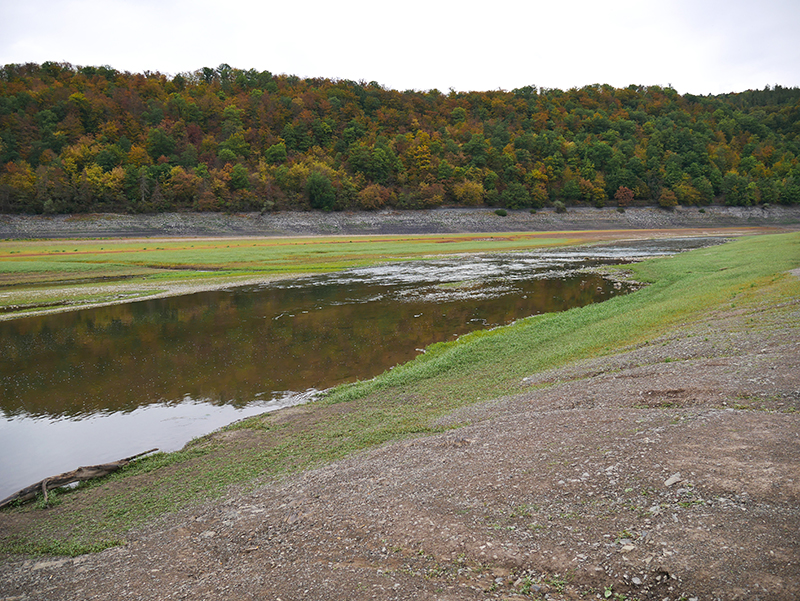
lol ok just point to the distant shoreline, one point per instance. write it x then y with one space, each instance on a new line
388 222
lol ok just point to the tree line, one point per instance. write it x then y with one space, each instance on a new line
93 139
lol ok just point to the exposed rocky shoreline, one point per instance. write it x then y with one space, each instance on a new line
445 220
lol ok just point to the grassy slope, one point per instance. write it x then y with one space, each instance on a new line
487 364
403 401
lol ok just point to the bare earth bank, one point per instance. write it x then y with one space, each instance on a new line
388 222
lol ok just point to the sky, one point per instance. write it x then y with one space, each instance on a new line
696 46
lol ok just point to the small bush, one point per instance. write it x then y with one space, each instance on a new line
559 206
501 212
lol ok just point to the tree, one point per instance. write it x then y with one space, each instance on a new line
515 196
539 195
226 155
240 177
375 163
623 196
381 164
468 193
704 189
320 190
458 115
478 149
236 144
667 200
276 153
734 187
182 187
686 193
421 148
159 143
571 190
373 197
791 191
430 195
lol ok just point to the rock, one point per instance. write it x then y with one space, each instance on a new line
673 479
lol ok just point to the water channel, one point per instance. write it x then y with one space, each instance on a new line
97 385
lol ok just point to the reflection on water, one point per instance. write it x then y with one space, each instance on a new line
97 385
229 347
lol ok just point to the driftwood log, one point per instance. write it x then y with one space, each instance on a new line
79 475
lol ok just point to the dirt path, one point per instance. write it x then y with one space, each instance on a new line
668 471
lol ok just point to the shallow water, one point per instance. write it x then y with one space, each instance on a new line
97 385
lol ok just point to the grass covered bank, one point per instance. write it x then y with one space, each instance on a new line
407 400
48 275
485 364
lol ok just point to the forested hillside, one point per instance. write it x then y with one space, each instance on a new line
92 139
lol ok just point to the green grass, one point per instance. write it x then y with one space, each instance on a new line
250 255
683 287
406 401
36 272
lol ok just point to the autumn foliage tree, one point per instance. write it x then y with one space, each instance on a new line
80 139
623 196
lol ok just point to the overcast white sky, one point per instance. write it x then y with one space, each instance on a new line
697 46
